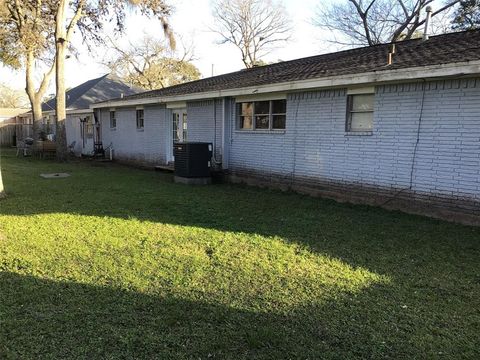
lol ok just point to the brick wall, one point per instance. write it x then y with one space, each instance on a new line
204 121
316 150
147 146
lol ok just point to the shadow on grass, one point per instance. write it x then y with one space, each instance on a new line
48 319
429 308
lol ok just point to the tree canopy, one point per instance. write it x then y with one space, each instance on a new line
152 64
12 98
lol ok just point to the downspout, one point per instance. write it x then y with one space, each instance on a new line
224 151
215 133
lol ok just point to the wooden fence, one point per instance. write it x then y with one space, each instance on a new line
7 135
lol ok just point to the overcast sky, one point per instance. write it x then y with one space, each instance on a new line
192 20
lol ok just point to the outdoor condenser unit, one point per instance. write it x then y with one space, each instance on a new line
192 159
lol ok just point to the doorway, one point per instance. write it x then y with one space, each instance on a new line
179 127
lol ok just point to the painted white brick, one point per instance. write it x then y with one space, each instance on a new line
315 143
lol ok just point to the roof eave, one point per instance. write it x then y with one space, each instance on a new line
469 68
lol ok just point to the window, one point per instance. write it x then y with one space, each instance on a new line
89 126
140 119
245 112
360 112
179 126
262 115
113 120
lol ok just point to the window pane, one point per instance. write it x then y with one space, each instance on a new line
246 122
362 102
184 118
279 106
176 136
279 121
245 109
262 122
113 122
262 107
361 121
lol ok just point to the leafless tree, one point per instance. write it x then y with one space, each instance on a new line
152 63
12 98
255 27
467 16
370 22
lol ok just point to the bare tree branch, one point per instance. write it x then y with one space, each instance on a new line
370 22
255 27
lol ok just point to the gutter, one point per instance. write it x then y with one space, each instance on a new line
469 68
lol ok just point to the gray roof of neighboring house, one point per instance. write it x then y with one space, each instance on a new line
440 49
96 90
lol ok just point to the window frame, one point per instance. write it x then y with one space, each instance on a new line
89 126
113 119
253 115
350 111
140 118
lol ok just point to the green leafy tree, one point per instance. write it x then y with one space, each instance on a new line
88 17
12 98
32 31
152 64
26 41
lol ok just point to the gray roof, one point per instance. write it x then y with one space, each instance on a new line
441 49
96 90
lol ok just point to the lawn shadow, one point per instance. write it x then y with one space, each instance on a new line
425 310
54 319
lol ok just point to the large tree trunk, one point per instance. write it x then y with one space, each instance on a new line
37 116
60 48
36 97
35 101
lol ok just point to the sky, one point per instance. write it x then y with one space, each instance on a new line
192 20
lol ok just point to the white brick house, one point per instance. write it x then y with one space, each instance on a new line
345 125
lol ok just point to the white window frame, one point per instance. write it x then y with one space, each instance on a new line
113 119
350 111
89 126
138 118
254 115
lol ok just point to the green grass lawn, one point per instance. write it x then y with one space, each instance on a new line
114 262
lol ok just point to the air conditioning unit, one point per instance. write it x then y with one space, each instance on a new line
192 159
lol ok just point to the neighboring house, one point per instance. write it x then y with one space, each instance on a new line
347 125
11 125
80 122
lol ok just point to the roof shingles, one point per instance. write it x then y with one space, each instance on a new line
441 49
96 90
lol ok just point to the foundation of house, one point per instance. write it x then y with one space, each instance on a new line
454 209
192 181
